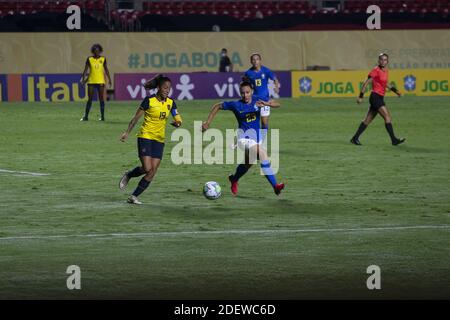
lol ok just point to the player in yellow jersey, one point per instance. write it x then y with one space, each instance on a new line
155 109
95 80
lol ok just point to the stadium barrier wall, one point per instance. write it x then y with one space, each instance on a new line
334 84
3 87
198 85
206 85
199 51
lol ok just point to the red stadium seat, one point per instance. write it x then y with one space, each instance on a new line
7 6
90 5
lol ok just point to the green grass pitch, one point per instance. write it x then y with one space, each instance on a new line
347 207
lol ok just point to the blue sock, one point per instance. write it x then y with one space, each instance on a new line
102 108
240 171
265 166
143 184
136 172
88 108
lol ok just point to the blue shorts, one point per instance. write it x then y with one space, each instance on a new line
150 148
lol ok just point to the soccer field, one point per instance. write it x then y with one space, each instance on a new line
344 207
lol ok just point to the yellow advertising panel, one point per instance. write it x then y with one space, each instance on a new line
420 82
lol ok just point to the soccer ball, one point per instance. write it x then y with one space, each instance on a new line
212 190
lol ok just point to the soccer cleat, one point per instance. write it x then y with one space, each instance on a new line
133 200
84 119
234 185
124 181
278 187
355 141
101 119
398 141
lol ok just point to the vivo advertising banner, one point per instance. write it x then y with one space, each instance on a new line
196 85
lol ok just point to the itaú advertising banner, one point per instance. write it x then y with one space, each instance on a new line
195 85
419 82
53 87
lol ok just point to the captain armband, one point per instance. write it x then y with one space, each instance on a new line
177 118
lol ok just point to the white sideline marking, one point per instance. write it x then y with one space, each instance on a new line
216 232
24 172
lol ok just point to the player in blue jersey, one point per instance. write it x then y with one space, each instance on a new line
248 112
259 75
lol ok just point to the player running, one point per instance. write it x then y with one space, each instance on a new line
248 112
259 75
155 109
96 80
379 77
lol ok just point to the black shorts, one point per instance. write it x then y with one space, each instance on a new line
376 101
96 85
150 148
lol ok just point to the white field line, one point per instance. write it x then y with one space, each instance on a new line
24 172
220 232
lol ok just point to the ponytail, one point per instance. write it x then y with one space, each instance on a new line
154 82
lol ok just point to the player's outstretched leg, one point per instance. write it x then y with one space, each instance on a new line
395 141
267 170
87 110
355 138
371 114
101 97
384 112
88 103
102 111
234 178
150 166
143 184
136 172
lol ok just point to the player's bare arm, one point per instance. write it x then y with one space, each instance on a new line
271 103
363 90
211 116
84 75
107 74
394 90
132 123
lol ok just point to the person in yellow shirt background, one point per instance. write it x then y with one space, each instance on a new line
95 80
155 109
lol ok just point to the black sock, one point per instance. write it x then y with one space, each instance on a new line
136 172
143 184
240 171
390 130
102 108
88 108
360 130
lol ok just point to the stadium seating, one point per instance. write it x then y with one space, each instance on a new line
50 15
232 15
